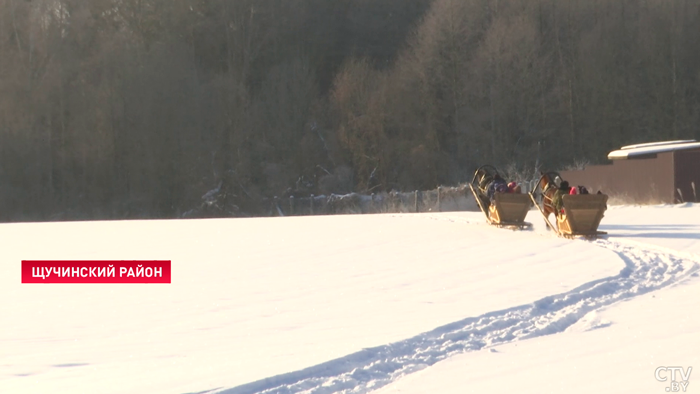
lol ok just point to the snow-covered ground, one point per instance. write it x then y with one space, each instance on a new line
325 304
615 349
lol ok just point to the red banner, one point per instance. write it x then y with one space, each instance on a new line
95 271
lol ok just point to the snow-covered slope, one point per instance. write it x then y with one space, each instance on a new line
615 349
323 304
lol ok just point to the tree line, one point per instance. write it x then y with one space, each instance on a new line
137 108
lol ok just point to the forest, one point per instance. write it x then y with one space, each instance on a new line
122 109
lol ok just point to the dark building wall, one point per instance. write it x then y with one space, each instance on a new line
640 181
687 164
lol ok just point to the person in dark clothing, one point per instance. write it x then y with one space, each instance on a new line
557 200
499 185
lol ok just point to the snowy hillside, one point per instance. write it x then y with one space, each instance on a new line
357 303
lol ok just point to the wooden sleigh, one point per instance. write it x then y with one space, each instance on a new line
507 209
581 217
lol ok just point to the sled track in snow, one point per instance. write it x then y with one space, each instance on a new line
646 269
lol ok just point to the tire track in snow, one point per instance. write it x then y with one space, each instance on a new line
646 269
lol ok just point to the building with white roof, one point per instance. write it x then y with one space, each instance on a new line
654 172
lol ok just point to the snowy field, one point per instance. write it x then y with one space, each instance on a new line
414 303
615 349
